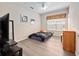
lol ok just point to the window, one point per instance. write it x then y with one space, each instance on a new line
56 24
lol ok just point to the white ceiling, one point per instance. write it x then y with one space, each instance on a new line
50 6
37 6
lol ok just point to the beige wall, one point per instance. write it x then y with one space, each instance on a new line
22 30
73 22
43 16
44 21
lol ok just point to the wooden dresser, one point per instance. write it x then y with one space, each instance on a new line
69 41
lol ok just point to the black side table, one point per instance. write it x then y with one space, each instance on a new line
14 51
11 49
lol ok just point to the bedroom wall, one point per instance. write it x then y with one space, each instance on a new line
21 29
44 21
43 16
73 22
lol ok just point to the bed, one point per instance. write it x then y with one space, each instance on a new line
40 36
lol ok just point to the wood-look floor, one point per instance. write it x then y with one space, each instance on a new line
52 47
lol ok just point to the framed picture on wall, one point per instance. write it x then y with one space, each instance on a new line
24 18
32 21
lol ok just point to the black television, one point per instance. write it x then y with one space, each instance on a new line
4 28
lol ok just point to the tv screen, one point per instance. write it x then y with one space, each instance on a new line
4 27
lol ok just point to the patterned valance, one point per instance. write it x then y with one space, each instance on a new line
58 16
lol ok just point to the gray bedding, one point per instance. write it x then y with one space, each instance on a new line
41 36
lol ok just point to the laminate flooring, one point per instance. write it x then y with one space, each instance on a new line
51 47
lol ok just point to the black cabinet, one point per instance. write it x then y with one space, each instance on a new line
11 49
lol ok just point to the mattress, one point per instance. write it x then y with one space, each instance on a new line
41 36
